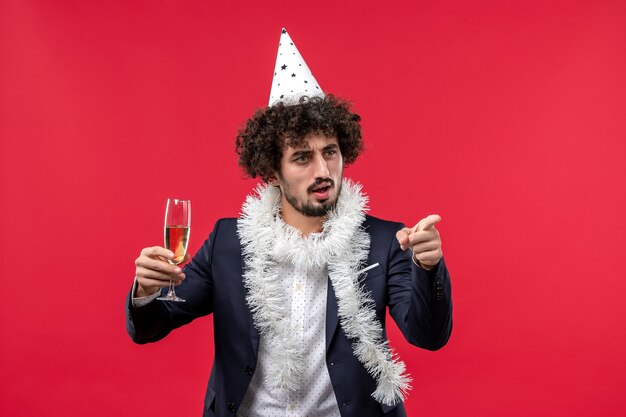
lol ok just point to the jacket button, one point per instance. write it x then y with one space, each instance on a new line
249 371
232 407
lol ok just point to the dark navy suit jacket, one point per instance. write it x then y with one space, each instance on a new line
419 302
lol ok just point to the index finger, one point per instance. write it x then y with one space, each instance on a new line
427 222
155 251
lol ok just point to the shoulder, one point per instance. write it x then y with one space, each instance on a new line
225 228
382 233
378 225
225 223
383 241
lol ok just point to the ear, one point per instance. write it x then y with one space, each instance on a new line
272 179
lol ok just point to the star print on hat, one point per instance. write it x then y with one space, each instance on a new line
292 77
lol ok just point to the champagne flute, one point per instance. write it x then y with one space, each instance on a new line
177 225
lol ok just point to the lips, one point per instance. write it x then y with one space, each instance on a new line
321 187
322 191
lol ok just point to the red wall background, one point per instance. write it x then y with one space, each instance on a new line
505 117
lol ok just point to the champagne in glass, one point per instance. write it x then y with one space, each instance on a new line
176 238
177 225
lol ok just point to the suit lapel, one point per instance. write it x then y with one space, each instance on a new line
254 336
331 314
253 331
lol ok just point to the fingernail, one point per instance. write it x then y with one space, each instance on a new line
177 270
171 254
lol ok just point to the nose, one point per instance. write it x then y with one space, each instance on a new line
321 167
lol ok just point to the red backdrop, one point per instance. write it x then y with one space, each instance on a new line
507 118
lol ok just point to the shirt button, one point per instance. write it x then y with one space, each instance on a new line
249 371
231 407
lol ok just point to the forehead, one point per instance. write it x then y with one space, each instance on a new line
310 142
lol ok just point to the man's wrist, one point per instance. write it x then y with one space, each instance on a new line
140 297
142 292
419 265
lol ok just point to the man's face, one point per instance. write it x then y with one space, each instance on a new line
310 176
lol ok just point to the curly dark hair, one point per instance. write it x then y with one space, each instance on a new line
269 131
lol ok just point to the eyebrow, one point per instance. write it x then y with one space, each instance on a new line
307 150
300 153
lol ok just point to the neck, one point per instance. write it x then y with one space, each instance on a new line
305 224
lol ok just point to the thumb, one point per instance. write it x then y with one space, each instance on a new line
403 237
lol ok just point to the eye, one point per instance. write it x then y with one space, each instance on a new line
301 159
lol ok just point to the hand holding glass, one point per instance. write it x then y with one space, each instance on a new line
177 225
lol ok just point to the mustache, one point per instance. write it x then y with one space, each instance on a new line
320 181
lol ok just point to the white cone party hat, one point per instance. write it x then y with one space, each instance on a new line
292 77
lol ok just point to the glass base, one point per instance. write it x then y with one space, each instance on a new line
171 297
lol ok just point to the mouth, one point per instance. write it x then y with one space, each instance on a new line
322 191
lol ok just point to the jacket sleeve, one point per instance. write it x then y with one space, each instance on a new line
157 319
419 301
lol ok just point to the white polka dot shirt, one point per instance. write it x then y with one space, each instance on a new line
305 295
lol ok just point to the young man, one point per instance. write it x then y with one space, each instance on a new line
300 283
